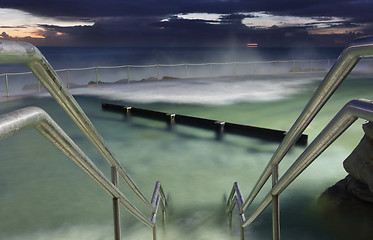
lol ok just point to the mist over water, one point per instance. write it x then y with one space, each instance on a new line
222 91
43 195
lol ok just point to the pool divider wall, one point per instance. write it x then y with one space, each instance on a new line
220 127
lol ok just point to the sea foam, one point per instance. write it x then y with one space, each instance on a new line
200 91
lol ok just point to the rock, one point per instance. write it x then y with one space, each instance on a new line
169 78
341 213
359 163
358 189
150 79
346 209
122 81
349 189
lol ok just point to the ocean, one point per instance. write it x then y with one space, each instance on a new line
43 195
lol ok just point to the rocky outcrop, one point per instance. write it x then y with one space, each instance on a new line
340 212
346 209
359 164
350 189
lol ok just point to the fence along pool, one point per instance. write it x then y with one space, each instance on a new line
24 82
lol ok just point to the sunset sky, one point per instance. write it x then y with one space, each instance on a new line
186 23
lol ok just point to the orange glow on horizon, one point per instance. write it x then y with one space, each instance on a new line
33 32
328 31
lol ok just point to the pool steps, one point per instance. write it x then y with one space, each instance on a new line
19 52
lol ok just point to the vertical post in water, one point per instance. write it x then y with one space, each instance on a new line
234 69
275 67
186 71
275 206
311 68
6 83
210 70
68 78
97 75
219 129
254 68
171 121
127 113
116 207
293 66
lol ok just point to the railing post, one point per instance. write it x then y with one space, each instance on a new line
328 64
6 83
242 232
116 207
154 232
68 78
230 220
97 75
158 72
275 206
38 86
163 220
128 74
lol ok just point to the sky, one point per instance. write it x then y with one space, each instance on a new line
186 23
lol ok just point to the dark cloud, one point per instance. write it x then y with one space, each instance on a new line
124 22
99 8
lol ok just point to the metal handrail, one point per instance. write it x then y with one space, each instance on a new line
21 52
14 122
340 70
360 48
359 108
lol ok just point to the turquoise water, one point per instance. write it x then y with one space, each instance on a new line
43 195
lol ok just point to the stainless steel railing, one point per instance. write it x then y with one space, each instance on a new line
18 120
345 63
21 52
186 70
